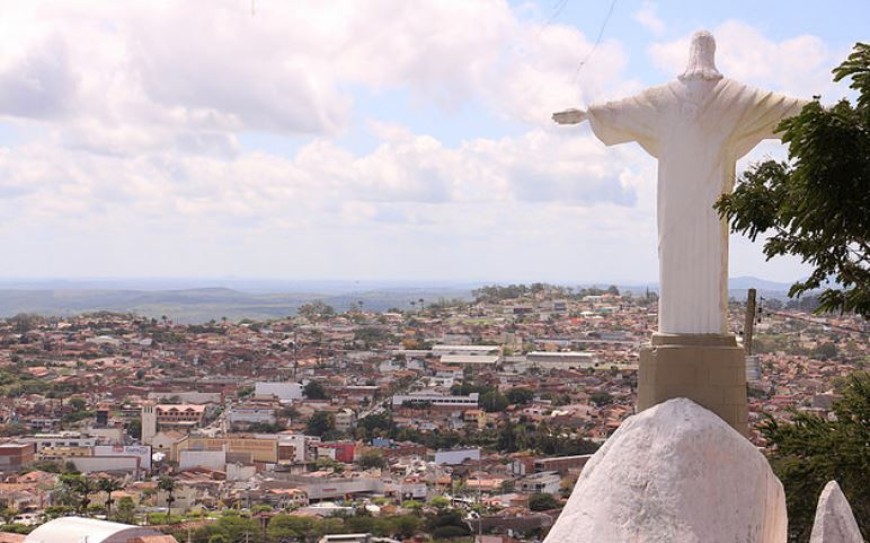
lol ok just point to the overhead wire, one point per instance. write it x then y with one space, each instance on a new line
558 8
597 40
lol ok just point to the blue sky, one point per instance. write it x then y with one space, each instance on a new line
376 140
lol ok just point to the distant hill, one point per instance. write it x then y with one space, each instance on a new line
737 287
189 301
203 304
745 283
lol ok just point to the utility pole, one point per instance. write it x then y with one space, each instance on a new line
479 506
749 322
295 352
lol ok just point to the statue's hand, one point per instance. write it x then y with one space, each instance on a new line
570 116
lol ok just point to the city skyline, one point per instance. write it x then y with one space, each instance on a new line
361 141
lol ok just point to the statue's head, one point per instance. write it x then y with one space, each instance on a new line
702 61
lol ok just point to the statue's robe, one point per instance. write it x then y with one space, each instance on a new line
697 129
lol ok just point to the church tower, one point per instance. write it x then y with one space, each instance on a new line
149 422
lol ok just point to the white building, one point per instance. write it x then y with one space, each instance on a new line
471 359
466 350
143 452
246 415
186 397
300 444
285 392
437 400
345 420
562 360
202 459
547 482
60 439
78 529
455 457
117 464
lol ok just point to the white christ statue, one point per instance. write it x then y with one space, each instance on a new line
697 126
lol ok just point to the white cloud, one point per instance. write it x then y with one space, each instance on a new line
321 185
648 18
133 153
405 202
543 73
144 146
290 68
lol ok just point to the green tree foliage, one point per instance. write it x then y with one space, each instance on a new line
316 310
601 398
314 390
231 528
18 528
520 395
812 450
493 401
167 484
50 466
374 425
125 510
466 387
25 322
543 438
372 459
439 502
446 524
498 293
817 205
543 502
404 526
76 490
8 515
320 423
557 442
513 438
825 351
266 427
372 336
308 530
134 429
288 527
108 485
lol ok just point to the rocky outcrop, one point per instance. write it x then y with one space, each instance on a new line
834 522
675 473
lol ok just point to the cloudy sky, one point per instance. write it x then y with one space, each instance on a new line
361 139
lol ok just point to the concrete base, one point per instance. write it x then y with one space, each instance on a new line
708 369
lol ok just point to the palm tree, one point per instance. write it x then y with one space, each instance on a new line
167 484
79 488
108 485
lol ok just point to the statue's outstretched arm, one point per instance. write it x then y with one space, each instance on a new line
570 116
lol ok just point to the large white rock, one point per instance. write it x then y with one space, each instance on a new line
675 473
834 522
